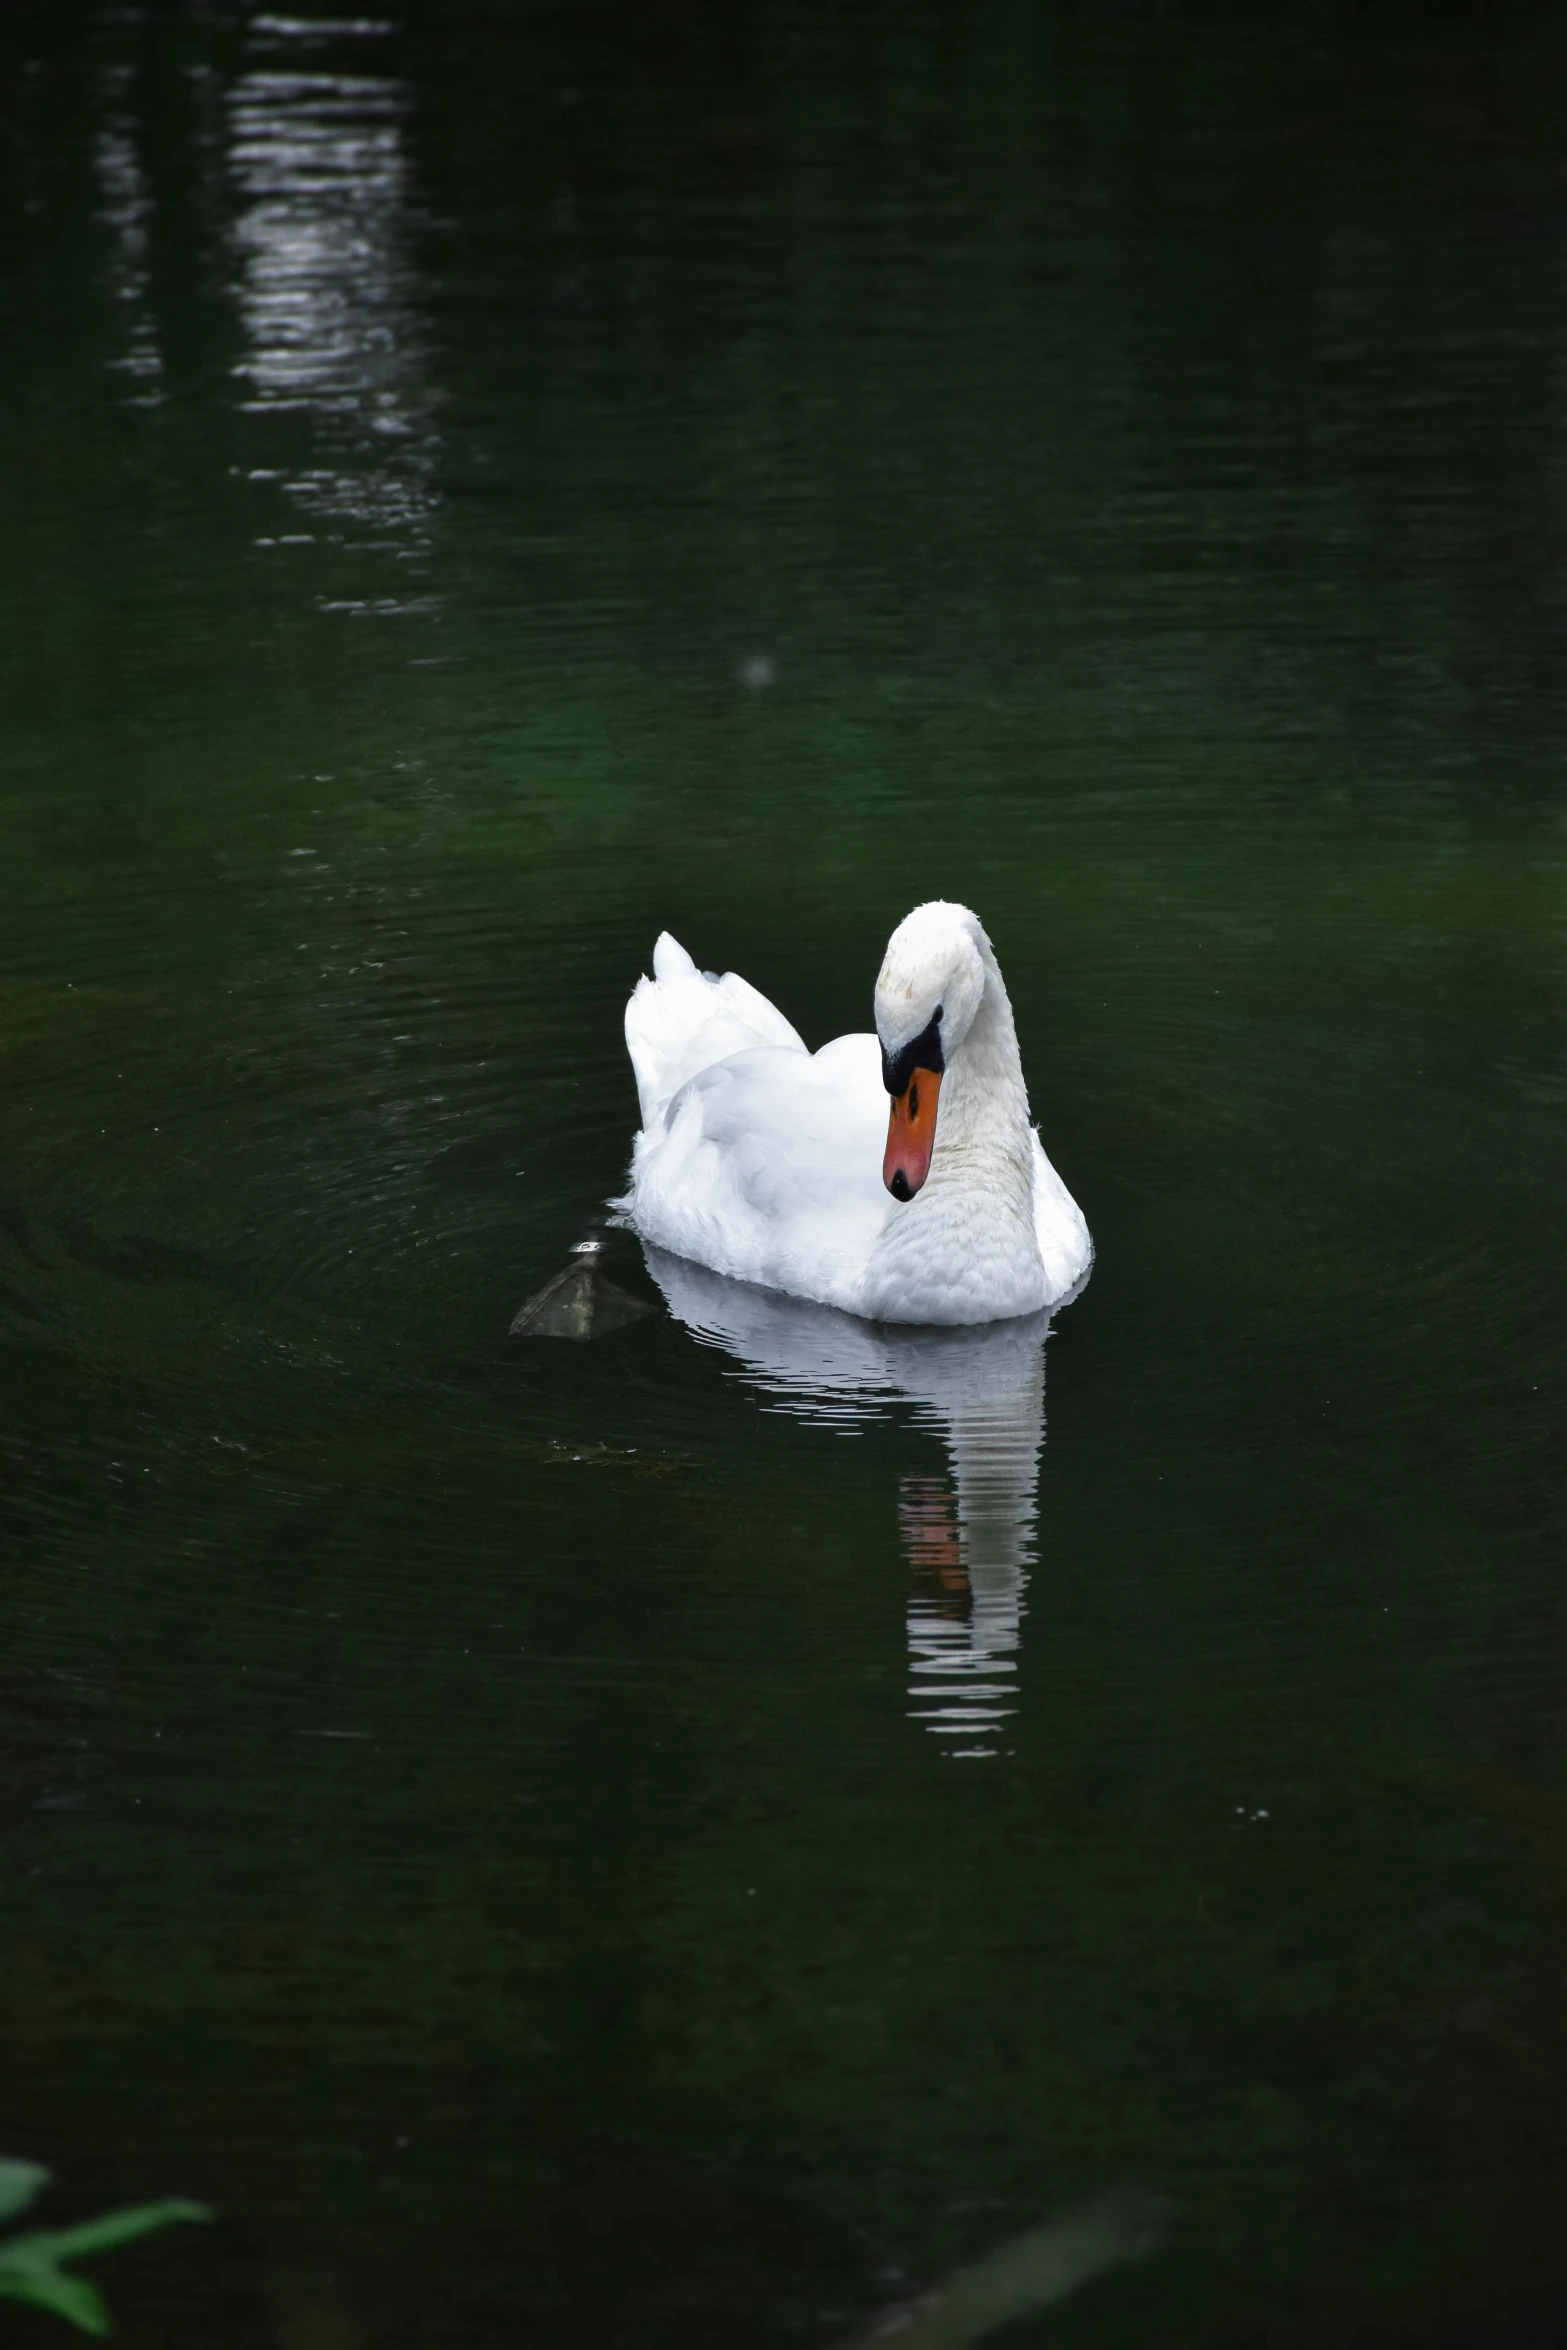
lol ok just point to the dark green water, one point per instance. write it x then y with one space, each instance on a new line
480 485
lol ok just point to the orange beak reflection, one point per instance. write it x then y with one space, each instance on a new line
911 1134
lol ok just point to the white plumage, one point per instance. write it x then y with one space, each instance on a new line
764 1161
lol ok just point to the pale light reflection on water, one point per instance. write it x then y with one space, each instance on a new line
322 280
126 211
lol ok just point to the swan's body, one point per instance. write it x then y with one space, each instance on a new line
765 1161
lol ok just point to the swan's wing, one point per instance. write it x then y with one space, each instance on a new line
767 1166
1061 1229
682 1020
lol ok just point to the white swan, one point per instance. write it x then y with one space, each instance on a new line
766 1162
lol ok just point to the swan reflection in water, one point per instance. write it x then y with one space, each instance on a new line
969 1545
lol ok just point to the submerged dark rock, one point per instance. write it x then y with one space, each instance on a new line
581 1302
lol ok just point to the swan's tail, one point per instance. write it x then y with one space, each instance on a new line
682 1020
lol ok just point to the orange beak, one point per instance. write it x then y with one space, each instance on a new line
911 1134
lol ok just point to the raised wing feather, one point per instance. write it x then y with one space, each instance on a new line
767 1166
682 1021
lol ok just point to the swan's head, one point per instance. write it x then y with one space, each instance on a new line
932 979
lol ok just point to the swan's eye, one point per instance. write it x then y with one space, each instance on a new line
922 1052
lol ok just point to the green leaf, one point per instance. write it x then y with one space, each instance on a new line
32 2266
49 2288
19 2183
115 2227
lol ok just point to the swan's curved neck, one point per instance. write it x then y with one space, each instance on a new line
982 1129
965 1246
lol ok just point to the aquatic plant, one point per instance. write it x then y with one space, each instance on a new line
33 2266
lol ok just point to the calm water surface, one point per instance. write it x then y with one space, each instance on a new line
671 1841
